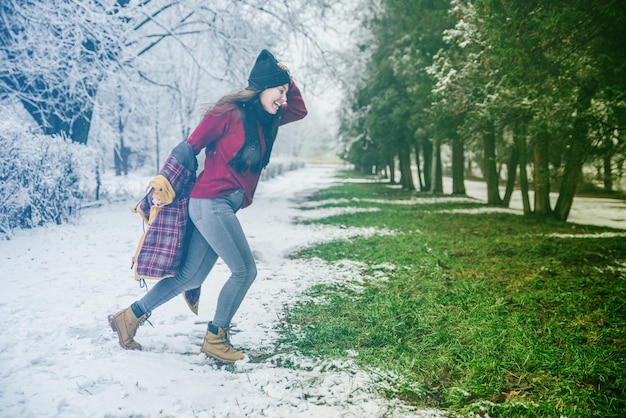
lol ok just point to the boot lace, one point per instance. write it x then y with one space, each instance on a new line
227 333
141 322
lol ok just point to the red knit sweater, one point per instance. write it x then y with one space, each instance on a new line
221 133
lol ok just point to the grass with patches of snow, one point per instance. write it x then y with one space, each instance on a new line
477 311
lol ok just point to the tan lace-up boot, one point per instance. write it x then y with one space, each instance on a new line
125 323
218 347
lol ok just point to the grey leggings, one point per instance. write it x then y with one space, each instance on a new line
215 232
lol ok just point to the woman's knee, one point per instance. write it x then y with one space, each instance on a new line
247 274
252 272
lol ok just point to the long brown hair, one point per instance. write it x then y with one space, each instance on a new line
241 96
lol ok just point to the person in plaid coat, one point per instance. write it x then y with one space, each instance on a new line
237 136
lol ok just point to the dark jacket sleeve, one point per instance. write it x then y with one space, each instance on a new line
185 155
294 109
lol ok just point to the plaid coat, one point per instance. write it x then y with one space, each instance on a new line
161 249
162 246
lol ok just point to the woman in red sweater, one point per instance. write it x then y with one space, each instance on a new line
237 135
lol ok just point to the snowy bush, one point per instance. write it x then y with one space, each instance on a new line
278 166
42 178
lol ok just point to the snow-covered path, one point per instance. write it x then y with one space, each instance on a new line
59 358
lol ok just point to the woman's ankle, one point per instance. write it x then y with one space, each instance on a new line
137 310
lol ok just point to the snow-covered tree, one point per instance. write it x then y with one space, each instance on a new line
59 56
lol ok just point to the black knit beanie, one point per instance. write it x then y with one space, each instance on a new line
266 73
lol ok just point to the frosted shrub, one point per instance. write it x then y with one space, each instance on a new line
41 178
278 166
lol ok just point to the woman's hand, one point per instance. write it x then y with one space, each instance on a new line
285 68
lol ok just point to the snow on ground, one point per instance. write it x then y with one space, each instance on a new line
59 358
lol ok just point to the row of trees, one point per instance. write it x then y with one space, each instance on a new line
534 87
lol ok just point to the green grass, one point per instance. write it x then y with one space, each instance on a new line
480 310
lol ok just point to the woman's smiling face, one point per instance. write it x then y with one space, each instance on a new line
273 98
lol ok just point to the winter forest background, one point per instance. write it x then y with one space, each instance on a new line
526 94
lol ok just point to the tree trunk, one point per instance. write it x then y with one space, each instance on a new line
120 156
571 176
427 147
520 141
406 177
458 166
491 172
420 176
437 176
511 167
98 182
541 175
576 155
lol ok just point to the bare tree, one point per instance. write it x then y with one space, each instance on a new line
58 55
